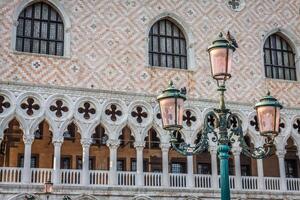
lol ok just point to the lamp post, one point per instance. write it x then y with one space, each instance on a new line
226 126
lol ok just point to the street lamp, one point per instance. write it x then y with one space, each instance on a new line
226 126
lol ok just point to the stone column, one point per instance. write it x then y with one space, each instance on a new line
214 167
26 173
113 147
85 178
236 151
190 171
165 164
280 154
260 174
139 163
56 161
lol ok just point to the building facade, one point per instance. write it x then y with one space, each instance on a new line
78 87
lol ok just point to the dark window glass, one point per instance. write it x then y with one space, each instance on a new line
291 168
133 165
33 161
152 141
178 167
279 59
65 162
69 134
204 168
245 170
79 163
167 45
40 30
121 165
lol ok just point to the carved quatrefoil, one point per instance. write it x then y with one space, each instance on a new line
59 108
139 114
188 118
3 104
30 106
113 112
86 110
296 125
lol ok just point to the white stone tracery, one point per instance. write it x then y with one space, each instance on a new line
113 130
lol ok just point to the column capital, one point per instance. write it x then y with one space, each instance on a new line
28 140
57 141
236 151
113 144
139 145
213 149
165 146
280 153
86 142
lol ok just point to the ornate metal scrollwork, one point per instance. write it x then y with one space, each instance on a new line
216 120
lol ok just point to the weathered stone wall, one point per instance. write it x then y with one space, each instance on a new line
108 47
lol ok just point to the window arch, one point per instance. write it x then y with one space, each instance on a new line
40 29
167 45
279 58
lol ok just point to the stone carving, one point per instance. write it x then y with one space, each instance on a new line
296 125
3 104
139 114
113 112
59 108
30 106
188 118
254 123
86 110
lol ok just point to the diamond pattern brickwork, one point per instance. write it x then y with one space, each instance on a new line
108 47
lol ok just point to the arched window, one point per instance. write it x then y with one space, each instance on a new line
167 45
40 30
279 58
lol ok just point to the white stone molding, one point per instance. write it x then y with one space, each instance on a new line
141 197
156 113
85 197
57 5
23 196
184 27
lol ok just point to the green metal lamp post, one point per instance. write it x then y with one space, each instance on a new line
226 126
